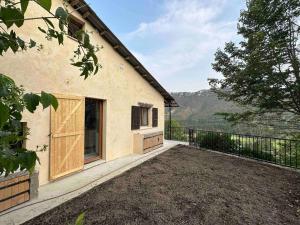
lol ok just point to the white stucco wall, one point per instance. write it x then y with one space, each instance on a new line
49 70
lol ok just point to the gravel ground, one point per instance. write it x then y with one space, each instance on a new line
188 186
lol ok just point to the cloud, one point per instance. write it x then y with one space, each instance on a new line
183 38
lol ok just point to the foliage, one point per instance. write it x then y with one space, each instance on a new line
13 99
80 219
12 13
13 103
174 123
263 72
252 153
178 132
215 141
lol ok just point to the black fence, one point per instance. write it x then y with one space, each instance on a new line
285 152
177 133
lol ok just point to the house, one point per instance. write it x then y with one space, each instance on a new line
119 111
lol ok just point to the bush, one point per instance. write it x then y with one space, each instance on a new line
216 141
255 153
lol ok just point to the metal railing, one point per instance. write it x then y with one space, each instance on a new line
284 152
177 133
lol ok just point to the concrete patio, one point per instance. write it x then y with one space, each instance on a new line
55 193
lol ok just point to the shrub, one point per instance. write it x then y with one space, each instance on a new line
255 153
216 141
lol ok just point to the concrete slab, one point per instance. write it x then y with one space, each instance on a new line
56 193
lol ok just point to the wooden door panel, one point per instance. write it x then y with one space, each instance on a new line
151 142
67 136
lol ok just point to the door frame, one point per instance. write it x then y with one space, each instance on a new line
100 149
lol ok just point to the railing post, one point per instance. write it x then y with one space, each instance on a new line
191 136
170 122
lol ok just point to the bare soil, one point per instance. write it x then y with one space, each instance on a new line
189 186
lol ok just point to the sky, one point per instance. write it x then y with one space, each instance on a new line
174 39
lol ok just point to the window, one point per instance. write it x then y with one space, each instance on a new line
74 26
144 116
139 117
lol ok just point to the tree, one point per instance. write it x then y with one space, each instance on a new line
13 98
262 72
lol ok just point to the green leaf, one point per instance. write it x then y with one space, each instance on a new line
48 22
42 30
7 16
27 159
79 35
24 4
19 17
46 4
32 43
17 115
11 16
80 219
61 25
60 38
48 99
96 70
31 101
13 44
78 64
94 58
86 41
4 114
21 43
5 84
61 13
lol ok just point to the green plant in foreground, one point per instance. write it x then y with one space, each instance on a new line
13 103
80 219
13 99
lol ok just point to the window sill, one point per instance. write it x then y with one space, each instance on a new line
146 130
145 127
91 159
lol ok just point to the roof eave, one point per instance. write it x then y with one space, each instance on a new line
88 14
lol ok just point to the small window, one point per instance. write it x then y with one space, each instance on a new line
144 116
74 26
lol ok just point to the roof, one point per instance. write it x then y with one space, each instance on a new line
88 14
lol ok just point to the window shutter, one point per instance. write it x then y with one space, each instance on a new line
135 117
154 117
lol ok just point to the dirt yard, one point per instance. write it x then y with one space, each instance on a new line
189 186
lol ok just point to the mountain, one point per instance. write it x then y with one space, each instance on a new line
198 109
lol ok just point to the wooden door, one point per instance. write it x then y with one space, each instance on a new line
67 136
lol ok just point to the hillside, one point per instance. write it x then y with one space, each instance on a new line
200 105
198 109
